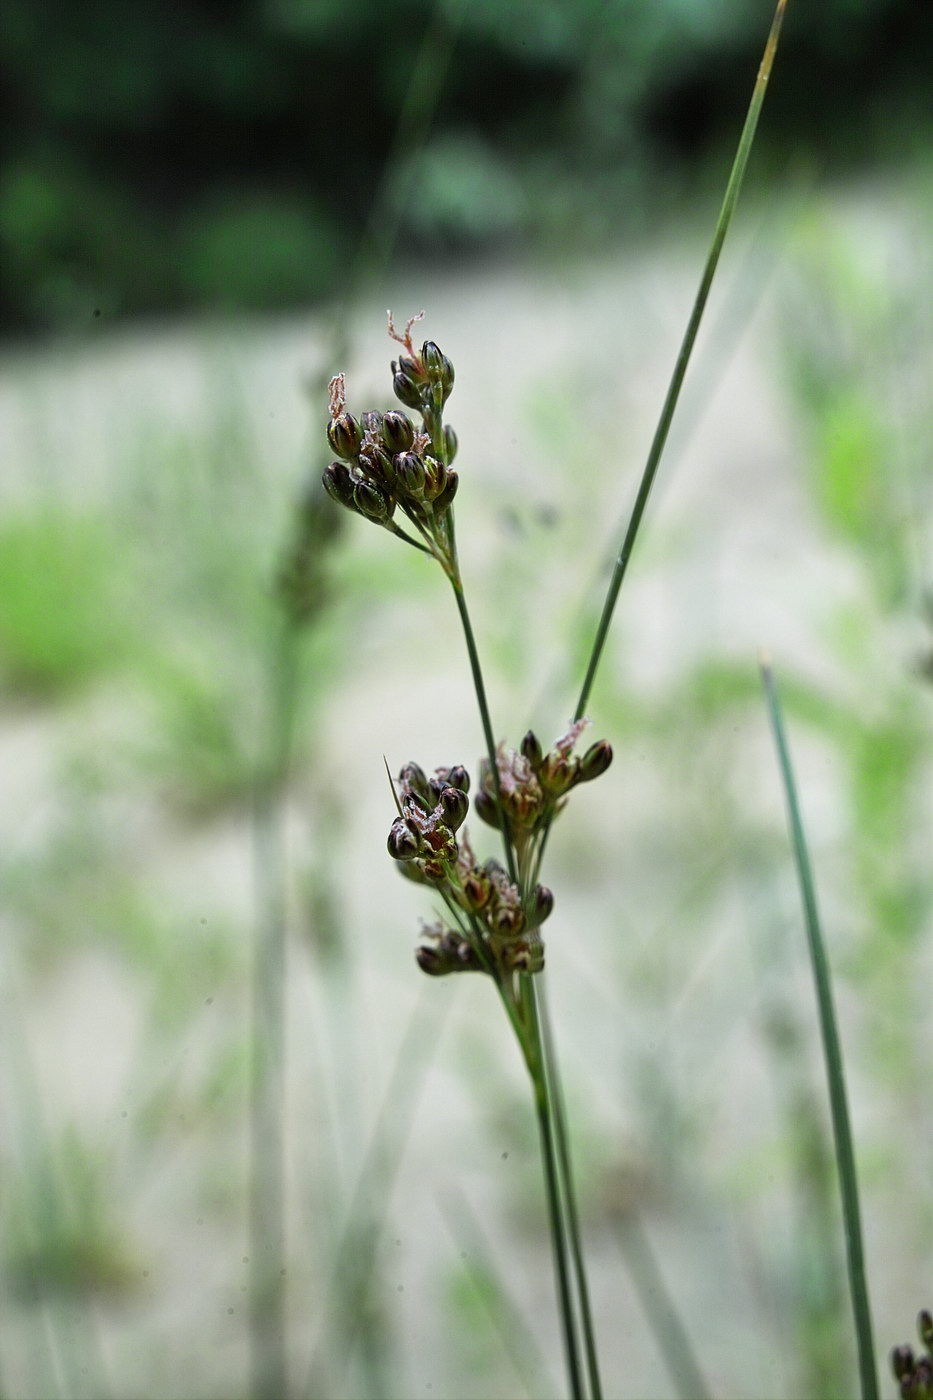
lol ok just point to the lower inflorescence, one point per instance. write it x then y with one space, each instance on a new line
492 928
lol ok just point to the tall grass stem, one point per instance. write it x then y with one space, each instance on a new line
534 1055
727 209
832 1051
572 1214
480 688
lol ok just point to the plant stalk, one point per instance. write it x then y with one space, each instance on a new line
544 1107
655 453
574 1235
832 1052
480 688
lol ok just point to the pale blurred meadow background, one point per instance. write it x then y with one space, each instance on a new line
205 215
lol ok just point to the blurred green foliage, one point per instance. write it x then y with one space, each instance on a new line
182 155
67 615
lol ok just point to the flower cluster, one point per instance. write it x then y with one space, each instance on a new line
386 464
533 785
914 1374
494 929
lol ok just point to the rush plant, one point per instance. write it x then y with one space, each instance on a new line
397 471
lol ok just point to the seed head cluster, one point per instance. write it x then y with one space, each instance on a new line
493 928
385 463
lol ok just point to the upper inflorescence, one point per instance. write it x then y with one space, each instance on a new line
385 464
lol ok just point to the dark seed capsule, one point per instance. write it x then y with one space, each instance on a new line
455 805
377 462
467 958
902 1361
476 892
531 749
409 475
398 431
413 368
432 962
487 809
450 443
413 776
345 435
406 390
403 842
338 483
508 921
595 761
542 904
458 777
925 1328
372 500
372 424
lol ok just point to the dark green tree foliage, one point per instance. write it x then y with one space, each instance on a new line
225 153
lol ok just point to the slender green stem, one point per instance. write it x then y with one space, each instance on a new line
483 704
534 1058
832 1053
558 1107
686 349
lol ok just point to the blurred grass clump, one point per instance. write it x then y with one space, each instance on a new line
67 616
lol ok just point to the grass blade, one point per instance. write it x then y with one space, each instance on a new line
832 1053
730 199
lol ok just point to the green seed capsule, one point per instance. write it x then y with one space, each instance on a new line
446 497
338 484
438 368
450 443
345 435
435 478
487 809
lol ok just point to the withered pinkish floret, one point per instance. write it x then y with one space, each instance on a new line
405 338
337 395
565 743
515 772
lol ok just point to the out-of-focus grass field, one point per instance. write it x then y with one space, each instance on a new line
148 495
